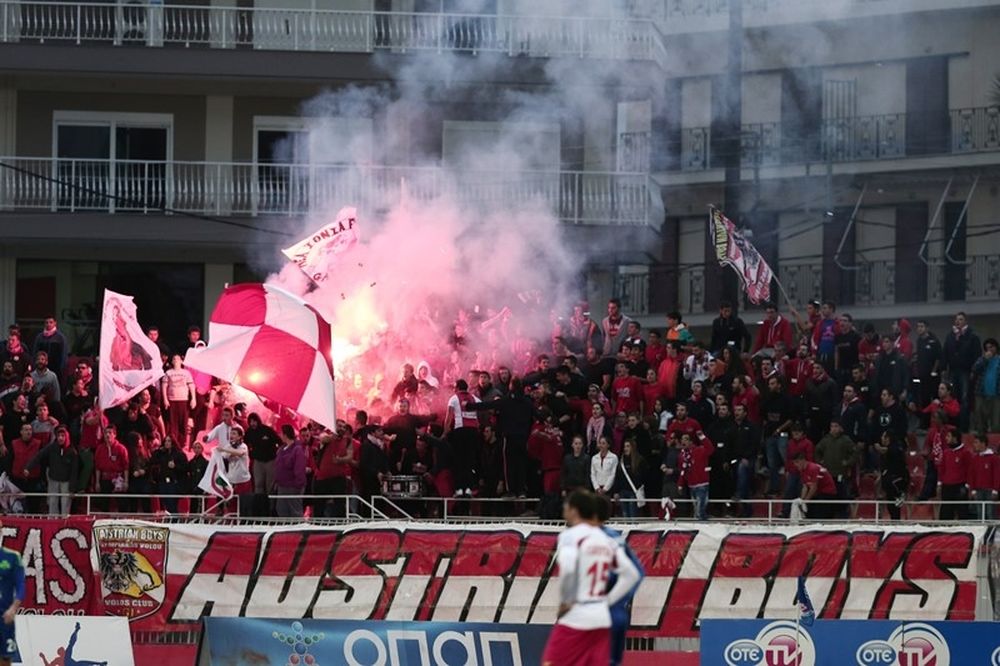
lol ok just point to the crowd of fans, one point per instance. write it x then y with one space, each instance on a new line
807 408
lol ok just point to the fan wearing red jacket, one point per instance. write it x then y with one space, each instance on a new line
944 403
682 423
773 329
797 443
984 478
626 392
798 371
817 484
695 469
956 465
545 446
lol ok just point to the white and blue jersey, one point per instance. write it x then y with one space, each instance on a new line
11 589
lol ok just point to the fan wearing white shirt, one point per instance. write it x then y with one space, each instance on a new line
586 557
222 432
603 467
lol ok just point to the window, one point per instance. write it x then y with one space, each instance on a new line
114 161
299 159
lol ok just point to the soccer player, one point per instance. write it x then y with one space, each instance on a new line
621 611
11 595
586 557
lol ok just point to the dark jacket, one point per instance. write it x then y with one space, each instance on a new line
961 352
928 357
889 419
731 330
747 441
837 454
854 419
160 461
63 464
575 472
891 372
515 415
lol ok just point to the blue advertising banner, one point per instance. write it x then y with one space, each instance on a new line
849 643
324 642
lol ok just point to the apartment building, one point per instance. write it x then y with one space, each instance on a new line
870 151
145 145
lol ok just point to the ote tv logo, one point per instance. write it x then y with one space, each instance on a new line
780 643
911 644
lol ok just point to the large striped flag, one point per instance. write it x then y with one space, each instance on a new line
274 344
733 250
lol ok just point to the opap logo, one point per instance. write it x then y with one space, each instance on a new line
995 659
780 643
919 644
876 653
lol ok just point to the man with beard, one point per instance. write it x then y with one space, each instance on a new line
744 458
46 380
927 365
824 335
862 386
62 465
798 372
10 383
773 329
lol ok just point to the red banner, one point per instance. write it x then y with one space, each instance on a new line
166 577
59 579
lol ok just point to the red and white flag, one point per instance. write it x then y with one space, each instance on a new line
733 250
274 344
129 360
317 252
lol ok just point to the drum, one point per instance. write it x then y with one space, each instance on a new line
403 486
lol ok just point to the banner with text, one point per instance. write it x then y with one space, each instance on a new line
849 643
314 642
505 573
170 576
56 555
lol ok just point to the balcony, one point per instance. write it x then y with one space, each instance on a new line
158 25
692 16
856 139
872 285
248 189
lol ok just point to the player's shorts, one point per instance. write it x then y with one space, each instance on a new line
577 647
8 644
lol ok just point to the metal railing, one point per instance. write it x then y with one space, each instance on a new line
854 139
975 129
243 188
347 508
154 24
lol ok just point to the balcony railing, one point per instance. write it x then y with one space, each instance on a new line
236 188
859 138
155 24
873 285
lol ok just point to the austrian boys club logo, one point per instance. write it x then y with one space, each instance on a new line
911 644
132 560
780 643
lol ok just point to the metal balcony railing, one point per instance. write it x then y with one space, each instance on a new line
155 24
859 138
873 284
238 188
